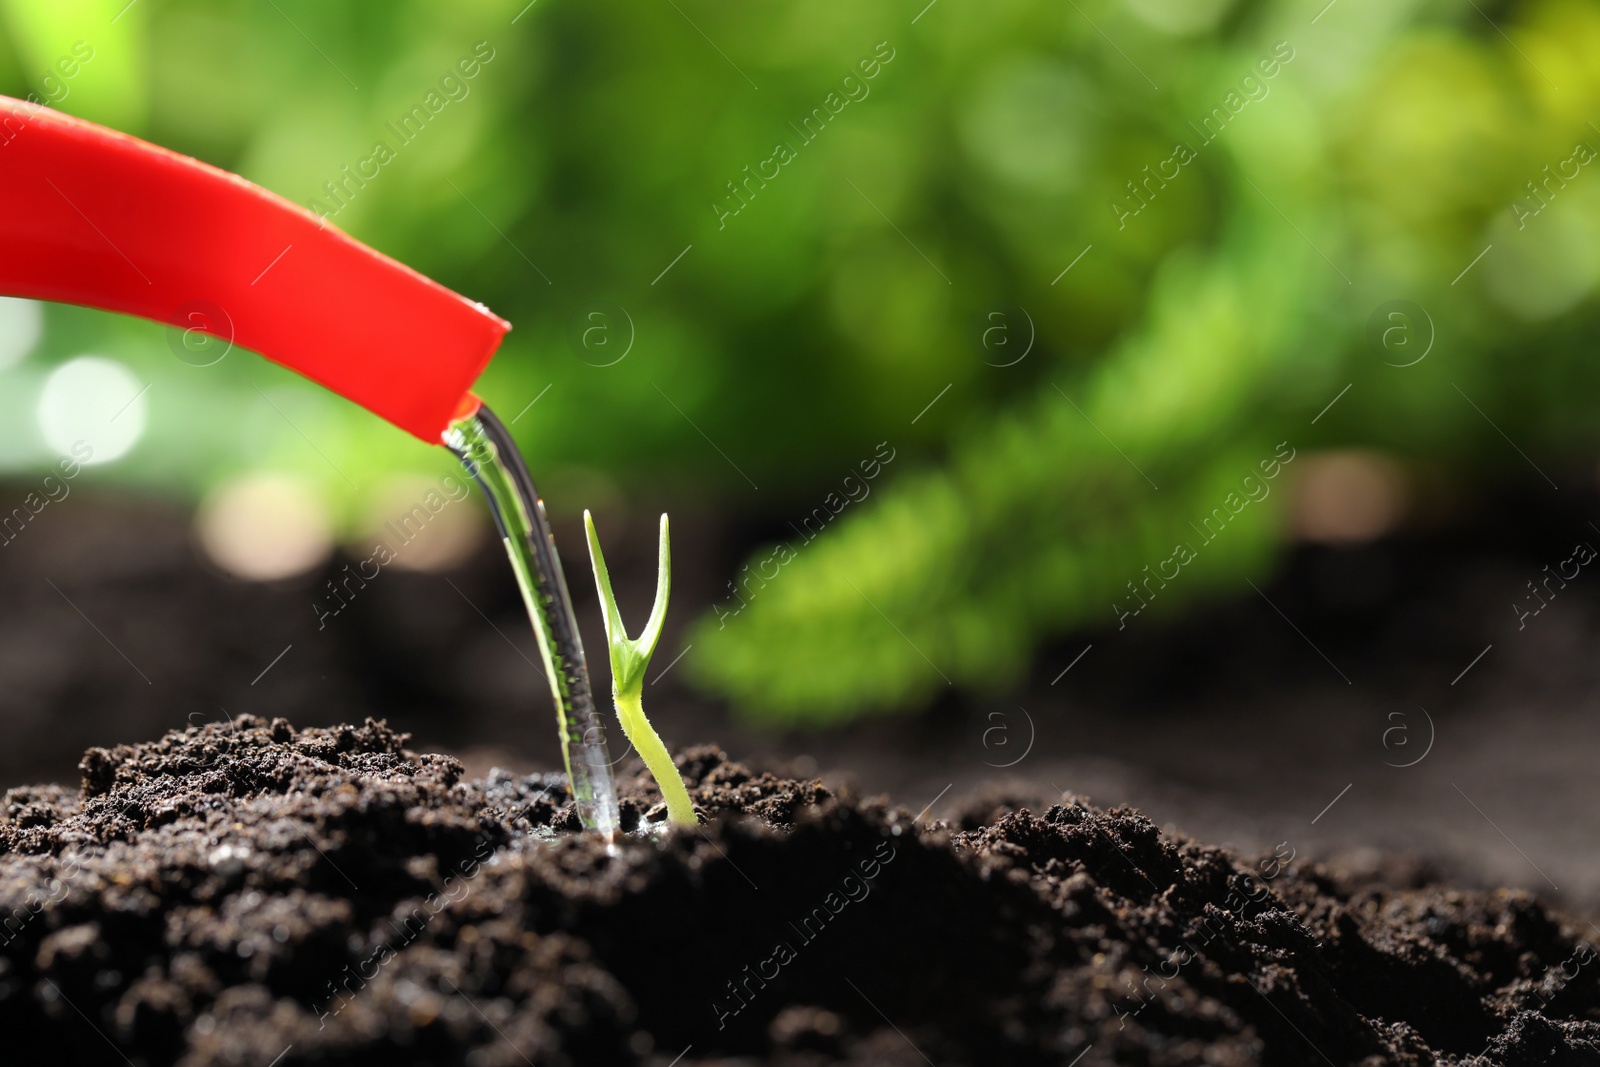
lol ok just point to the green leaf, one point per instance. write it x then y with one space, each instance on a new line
629 659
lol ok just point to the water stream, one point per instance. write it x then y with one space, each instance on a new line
486 449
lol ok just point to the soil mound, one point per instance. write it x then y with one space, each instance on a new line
246 893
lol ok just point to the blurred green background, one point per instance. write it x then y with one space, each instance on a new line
1077 268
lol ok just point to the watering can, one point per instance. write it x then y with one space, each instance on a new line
105 220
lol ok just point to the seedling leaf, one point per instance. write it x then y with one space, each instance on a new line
629 660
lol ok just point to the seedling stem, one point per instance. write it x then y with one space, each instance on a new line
629 659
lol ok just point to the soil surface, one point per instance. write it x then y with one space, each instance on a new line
248 893
1391 681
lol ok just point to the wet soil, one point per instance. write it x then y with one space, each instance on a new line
248 893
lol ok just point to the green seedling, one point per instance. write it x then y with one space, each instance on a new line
629 658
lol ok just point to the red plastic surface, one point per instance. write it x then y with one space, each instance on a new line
95 217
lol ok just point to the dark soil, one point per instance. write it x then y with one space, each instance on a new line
249 893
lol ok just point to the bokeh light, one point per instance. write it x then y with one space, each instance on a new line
93 401
265 527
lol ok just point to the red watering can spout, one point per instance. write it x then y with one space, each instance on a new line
94 217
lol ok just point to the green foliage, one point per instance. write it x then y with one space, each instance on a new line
1385 185
629 659
995 146
1039 523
